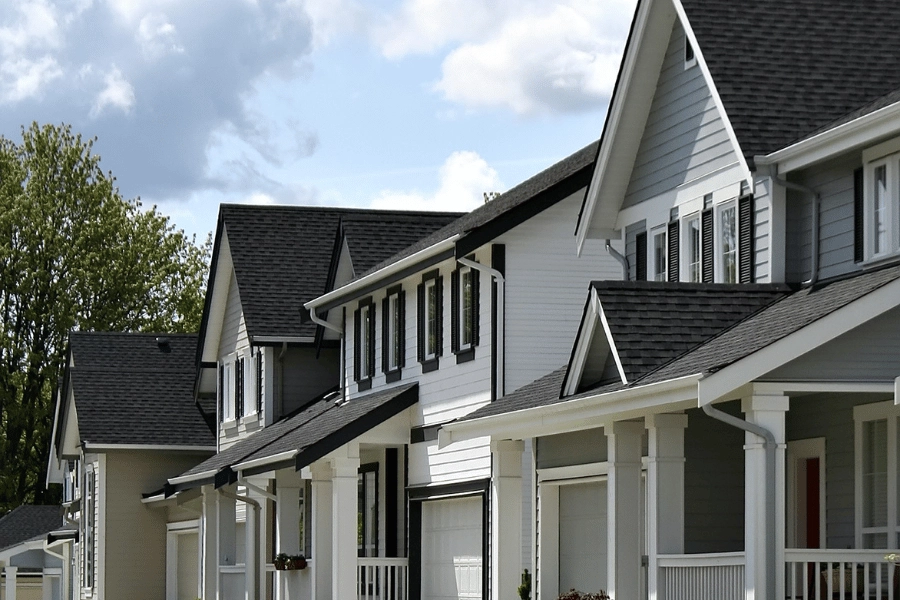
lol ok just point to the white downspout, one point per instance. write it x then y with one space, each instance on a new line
814 230
340 331
619 257
501 318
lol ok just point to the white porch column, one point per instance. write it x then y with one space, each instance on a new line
768 412
252 566
624 514
665 493
506 524
345 503
287 532
209 532
10 582
46 585
321 529
226 554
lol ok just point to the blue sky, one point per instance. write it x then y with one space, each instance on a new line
421 104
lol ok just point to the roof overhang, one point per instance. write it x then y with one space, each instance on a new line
584 412
593 315
855 134
91 447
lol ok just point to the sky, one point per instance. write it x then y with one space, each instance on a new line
415 104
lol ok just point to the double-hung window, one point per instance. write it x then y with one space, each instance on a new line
693 257
235 400
877 475
726 243
881 201
393 333
658 258
364 343
430 320
464 285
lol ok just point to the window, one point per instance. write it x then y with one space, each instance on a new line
226 390
90 523
364 343
658 260
464 299
690 59
430 320
367 526
393 321
235 399
692 253
881 202
727 244
877 475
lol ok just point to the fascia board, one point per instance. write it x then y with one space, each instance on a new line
218 302
854 134
91 447
266 460
578 414
719 384
194 477
582 346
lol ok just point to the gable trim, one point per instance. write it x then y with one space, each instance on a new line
593 314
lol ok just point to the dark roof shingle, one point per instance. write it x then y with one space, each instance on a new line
28 522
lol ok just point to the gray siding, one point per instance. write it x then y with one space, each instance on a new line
234 330
834 183
685 136
762 269
576 448
867 353
713 483
631 233
304 376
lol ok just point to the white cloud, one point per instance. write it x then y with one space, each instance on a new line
35 28
118 93
22 78
423 26
463 179
157 36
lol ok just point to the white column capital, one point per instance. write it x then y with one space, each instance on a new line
666 421
507 446
344 467
765 402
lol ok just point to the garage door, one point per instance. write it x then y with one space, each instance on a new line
452 549
582 537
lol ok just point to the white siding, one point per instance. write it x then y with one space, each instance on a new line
546 286
234 330
685 137
762 268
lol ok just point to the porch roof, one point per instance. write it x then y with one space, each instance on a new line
786 316
308 434
28 522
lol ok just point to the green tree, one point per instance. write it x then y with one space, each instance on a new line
74 254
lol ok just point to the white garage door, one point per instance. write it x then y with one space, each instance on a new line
582 537
451 549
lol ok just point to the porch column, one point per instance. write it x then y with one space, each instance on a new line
226 519
345 503
287 533
768 412
506 524
10 582
46 585
624 515
665 493
321 529
252 561
209 533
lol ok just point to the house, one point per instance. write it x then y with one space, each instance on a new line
727 418
272 374
30 569
126 420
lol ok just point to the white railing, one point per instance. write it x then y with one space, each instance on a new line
381 578
840 575
691 576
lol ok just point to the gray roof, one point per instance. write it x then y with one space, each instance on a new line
784 316
282 256
28 522
131 389
314 430
786 68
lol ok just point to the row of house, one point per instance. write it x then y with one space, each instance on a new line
693 396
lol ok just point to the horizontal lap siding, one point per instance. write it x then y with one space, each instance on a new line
234 330
684 137
575 448
546 286
762 202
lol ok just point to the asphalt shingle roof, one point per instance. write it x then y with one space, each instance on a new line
282 255
785 69
28 522
129 389
782 317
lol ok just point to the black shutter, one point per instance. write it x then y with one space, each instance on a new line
707 246
672 240
259 383
858 208
386 340
401 328
420 320
455 309
357 375
370 345
221 393
640 258
239 388
439 314
746 238
476 289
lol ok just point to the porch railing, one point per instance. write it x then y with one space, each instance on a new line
691 576
840 575
381 578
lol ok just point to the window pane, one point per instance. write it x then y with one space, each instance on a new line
431 319
874 473
659 256
879 211
694 249
465 320
394 326
728 240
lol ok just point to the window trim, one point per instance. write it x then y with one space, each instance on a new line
891 210
687 248
431 280
719 242
364 470
652 273
865 413
364 341
393 320
464 350
89 554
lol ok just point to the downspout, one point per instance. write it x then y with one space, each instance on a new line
340 331
501 317
619 257
814 232
771 446
256 557
280 381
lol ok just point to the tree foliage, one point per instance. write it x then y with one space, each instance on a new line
75 255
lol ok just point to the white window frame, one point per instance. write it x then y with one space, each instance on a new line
652 271
862 414
885 155
227 392
430 315
394 351
89 546
366 312
686 247
719 243
464 320
689 54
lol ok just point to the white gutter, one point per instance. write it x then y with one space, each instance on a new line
858 132
101 447
382 273
261 462
500 342
195 477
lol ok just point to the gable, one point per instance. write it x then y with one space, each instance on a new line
233 333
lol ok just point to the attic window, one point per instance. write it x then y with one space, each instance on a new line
690 59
